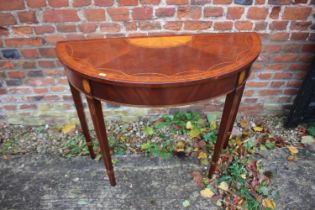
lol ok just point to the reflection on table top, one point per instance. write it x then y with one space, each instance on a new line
161 59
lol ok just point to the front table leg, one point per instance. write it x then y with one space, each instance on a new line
95 107
231 105
80 111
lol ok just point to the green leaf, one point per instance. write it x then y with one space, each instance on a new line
111 141
163 136
186 203
263 190
166 118
209 137
212 116
194 133
164 155
195 116
162 124
311 129
270 145
249 144
148 131
224 178
145 146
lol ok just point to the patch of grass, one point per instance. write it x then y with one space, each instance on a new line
116 146
8 147
75 146
163 150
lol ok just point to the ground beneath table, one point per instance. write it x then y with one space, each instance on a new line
53 182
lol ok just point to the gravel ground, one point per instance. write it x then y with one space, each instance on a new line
49 139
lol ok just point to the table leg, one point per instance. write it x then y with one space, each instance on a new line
80 111
95 107
231 105
234 111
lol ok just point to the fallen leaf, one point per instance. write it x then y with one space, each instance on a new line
269 203
204 162
189 125
180 146
302 131
68 128
186 203
206 181
293 150
145 146
206 193
202 155
148 131
308 140
238 141
258 129
212 116
223 186
244 123
292 158
202 143
176 127
213 125
197 177
194 133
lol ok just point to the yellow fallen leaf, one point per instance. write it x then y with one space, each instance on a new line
258 129
180 146
204 162
243 176
206 193
293 150
223 186
292 157
68 128
269 203
202 155
238 141
213 125
189 125
244 123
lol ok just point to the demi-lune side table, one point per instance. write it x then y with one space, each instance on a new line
158 71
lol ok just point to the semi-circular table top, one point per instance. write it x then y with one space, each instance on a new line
160 59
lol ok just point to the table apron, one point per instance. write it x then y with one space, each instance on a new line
153 96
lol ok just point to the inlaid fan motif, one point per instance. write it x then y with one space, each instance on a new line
160 42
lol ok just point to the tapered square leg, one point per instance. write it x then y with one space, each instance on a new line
95 107
231 105
80 111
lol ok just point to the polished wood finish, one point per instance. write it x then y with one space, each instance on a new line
95 107
80 111
159 71
231 105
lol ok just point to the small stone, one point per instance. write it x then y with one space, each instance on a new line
11 54
243 2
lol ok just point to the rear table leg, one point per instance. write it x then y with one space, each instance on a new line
79 107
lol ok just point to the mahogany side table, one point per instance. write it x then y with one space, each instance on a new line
158 71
